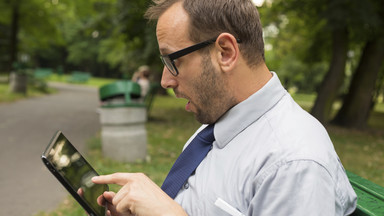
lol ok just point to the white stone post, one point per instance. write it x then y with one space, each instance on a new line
123 133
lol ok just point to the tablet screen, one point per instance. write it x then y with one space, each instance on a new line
76 173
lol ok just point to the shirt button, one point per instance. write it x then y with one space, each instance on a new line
186 185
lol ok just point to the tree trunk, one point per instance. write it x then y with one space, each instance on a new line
379 88
334 78
356 107
14 33
18 83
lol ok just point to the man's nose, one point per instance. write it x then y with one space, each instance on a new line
167 79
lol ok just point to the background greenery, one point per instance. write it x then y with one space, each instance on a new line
334 49
108 38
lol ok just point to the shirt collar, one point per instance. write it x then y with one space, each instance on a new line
248 111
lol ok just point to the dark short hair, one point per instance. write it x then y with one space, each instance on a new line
209 18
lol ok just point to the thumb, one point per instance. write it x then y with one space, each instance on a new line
108 196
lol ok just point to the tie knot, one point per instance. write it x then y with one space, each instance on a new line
207 134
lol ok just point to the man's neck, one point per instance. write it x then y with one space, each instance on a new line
247 81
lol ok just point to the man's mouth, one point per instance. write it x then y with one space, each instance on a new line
188 106
179 95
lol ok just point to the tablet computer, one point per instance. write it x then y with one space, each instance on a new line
74 173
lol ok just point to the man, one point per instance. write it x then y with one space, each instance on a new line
269 156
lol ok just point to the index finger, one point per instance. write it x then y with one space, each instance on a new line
115 178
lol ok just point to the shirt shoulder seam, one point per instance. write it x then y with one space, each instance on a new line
274 167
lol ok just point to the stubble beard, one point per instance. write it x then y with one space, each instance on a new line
214 99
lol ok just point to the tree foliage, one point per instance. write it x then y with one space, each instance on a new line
314 46
20 18
104 37
333 34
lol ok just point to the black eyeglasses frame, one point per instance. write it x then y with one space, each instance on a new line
169 60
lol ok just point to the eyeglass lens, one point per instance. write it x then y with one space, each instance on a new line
168 63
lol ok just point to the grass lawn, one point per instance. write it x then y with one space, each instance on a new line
6 96
170 126
93 81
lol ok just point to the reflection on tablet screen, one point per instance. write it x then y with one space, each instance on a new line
76 172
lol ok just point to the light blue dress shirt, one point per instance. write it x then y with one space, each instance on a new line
270 157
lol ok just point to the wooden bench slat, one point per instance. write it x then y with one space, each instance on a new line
370 196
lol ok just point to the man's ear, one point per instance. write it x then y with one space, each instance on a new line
227 51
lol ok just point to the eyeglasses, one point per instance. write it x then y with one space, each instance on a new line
169 60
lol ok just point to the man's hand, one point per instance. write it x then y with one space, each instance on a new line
138 196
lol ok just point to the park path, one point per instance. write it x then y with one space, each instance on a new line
26 127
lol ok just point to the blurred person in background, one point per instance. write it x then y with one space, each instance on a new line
141 76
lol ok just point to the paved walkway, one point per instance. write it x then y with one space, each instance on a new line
26 127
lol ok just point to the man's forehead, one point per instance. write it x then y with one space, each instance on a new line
172 27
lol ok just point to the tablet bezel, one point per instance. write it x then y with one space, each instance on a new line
63 180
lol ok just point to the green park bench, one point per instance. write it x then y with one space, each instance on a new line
79 77
39 76
370 196
42 73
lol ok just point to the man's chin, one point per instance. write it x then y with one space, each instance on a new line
204 119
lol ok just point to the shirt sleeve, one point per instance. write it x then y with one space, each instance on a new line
301 187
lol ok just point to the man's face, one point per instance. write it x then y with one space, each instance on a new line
198 81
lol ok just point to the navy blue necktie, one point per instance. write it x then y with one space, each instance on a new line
188 161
